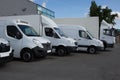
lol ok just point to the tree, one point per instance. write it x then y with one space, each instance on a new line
102 13
93 9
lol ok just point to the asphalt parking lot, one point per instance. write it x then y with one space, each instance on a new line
78 66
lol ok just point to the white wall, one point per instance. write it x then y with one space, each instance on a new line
90 23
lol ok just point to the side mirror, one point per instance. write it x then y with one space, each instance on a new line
18 35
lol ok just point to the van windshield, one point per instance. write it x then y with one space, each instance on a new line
60 32
27 30
109 32
90 34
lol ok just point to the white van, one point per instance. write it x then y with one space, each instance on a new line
85 40
47 28
25 41
6 52
105 32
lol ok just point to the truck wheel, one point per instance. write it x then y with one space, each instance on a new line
61 51
92 49
27 55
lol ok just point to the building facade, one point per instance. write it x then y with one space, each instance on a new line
23 7
89 23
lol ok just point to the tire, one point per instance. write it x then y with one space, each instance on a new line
92 50
61 51
27 55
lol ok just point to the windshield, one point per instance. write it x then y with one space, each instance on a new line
60 32
90 34
109 32
27 30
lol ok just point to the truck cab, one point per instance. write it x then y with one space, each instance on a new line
86 42
25 41
61 44
107 35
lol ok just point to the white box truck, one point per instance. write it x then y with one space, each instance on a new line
6 52
47 28
25 41
107 34
85 40
104 33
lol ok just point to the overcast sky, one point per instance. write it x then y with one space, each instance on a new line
77 8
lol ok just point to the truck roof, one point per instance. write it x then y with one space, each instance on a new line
48 22
14 21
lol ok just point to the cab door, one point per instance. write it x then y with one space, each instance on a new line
14 36
83 40
52 36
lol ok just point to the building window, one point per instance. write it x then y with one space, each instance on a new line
45 11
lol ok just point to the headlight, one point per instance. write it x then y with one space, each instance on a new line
38 43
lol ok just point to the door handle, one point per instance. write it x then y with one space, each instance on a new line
79 39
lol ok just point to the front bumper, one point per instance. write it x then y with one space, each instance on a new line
38 52
6 58
48 47
110 45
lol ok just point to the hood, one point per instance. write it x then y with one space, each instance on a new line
69 39
97 40
41 39
100 43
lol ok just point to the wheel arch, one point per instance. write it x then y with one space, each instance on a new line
21 52
60 46
90 47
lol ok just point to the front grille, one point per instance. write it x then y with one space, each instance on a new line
4 47
47 46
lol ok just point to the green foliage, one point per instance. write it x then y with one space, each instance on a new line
102 13
117 32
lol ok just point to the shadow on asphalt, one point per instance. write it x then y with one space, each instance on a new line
53 56
84 52
107 50
98 52
48 57
2 66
